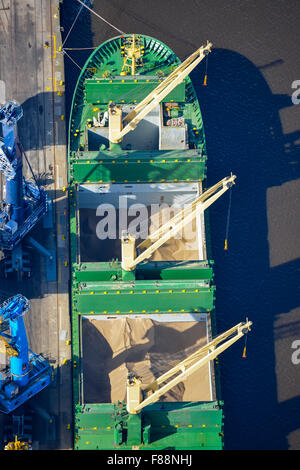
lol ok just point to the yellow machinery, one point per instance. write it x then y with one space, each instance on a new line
7 348
173 226
135 401
119 127
132 50
17 445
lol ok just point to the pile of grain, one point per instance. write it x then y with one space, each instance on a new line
114 348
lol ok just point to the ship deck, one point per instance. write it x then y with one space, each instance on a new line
147 320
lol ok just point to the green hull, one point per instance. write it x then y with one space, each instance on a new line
100 288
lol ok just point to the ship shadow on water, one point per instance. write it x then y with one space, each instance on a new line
244 135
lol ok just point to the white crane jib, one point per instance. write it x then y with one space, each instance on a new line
135 401
116 123
172 227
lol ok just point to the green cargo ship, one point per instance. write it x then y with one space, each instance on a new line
137 147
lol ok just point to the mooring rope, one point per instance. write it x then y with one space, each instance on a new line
78 48
72 26
101 17
64 52
227 222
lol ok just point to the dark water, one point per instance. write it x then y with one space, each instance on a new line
253 130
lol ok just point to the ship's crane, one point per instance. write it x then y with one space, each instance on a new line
25 202
169 229
135 400
132 50
28 373
119 127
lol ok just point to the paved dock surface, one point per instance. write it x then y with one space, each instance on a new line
32 72
252 128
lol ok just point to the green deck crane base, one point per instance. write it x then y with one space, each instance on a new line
172 426
163 287
139 169
136 155
127 90
96 298
164 270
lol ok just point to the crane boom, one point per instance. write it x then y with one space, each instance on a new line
198 359
173 226
116 129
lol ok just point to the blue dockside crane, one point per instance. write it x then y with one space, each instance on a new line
25 202
28 373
